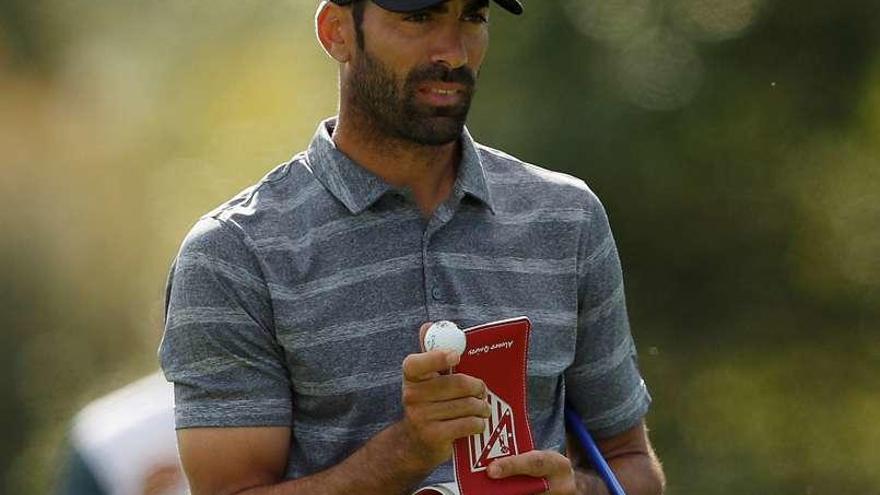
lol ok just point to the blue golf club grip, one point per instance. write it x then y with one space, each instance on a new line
576 426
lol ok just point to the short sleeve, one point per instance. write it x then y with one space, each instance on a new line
603 383
219 347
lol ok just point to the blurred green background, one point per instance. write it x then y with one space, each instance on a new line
735 143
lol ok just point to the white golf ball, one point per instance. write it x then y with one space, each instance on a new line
445 335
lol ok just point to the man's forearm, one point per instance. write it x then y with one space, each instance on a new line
381 467
640 474
589 483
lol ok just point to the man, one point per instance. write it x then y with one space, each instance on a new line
295 308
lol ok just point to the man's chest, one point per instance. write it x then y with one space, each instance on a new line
348 296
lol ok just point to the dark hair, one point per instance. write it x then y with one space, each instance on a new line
357 13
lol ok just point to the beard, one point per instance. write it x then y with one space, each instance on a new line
391 107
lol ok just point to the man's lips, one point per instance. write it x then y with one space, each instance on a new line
443 94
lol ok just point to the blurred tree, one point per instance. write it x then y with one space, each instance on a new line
22 44
733 142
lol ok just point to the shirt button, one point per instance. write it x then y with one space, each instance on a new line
436 293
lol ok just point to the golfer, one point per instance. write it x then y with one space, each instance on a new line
295 307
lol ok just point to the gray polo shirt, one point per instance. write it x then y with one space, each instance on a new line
295 303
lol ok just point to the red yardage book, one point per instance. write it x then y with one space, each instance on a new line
497 353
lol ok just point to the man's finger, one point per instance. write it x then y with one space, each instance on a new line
447 387
458 408
424 366
536 463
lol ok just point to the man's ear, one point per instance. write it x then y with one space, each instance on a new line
333 25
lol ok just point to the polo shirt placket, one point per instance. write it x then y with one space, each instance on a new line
435 292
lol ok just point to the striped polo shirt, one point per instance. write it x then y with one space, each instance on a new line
295 302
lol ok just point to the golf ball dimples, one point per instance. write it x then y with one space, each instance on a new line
445 335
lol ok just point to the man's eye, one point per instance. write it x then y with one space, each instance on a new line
418 17
477 18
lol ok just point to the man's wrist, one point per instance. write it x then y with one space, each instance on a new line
407 452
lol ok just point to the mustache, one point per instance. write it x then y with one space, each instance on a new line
436 72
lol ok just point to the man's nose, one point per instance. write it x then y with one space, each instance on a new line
449 47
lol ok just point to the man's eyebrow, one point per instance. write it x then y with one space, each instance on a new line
470 6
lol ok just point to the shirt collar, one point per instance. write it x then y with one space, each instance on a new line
358 188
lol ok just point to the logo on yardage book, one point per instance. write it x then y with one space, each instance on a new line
497 440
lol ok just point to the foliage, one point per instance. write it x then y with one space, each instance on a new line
733 142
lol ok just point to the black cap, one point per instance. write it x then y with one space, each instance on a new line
412 5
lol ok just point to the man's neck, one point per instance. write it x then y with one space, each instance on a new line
428 171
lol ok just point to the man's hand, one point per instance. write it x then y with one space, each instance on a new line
629 454
438 408
539 464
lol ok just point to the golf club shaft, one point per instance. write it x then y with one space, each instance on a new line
590 448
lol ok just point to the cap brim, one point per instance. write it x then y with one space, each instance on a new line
514 6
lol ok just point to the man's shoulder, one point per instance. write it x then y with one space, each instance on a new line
505 171
283 188
255 212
